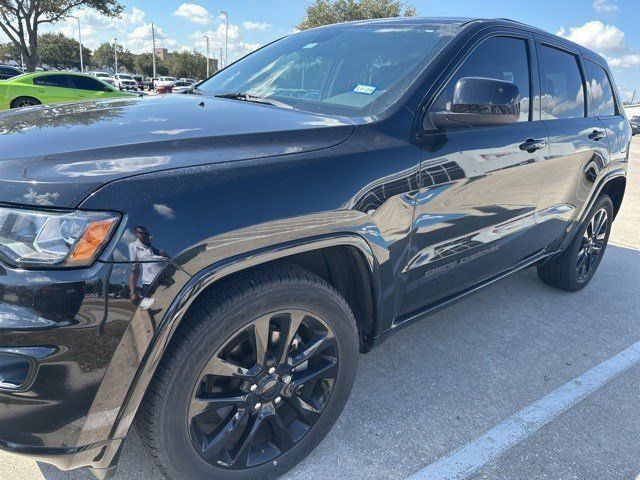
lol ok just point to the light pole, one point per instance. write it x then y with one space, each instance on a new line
226 38
115 52
153 42
207 39
80 41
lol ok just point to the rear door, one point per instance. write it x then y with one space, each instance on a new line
578 142
88 88
51 88
479 186
604 105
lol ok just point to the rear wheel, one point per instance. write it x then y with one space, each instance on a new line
576 266
25 102
257 376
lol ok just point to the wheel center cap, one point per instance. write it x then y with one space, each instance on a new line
269 387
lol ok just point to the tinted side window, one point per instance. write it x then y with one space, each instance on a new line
86 83
562 87
602 102
52 81
501 58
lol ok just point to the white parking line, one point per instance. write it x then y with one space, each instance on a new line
463 462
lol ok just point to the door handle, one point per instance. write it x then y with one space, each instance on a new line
531 145
597 134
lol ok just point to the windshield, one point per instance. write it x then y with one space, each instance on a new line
102 75
355 69
125 77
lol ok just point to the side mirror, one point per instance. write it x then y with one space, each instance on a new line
479 102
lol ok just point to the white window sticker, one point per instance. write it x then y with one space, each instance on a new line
309 45
368 89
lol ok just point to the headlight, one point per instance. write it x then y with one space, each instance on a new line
38 238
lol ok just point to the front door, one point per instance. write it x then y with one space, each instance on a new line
52 88
480 186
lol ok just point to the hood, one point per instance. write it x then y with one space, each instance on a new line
57 155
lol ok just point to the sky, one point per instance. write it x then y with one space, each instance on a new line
609 27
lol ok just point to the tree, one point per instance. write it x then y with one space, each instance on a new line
21 19
61 52
104 57
325 12
8 51
144 65
187 64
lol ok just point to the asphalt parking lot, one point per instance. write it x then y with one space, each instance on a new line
519 381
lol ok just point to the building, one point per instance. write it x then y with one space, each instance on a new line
162 53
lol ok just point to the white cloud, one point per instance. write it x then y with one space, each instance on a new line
131 29
262 26
605 6
608 40
237 46
629 60
195 13
596 36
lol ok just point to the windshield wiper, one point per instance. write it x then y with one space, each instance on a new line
246 97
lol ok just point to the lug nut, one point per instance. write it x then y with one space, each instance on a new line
278 399
257 406
272 370
287 379
253 388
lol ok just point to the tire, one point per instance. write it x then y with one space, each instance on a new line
564 272
209 333
25 102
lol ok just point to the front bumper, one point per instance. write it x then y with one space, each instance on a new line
71 345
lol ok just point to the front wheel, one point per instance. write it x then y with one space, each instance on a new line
25 102
257 375
575 267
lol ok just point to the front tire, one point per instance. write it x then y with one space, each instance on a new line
575 267
256 376
25 102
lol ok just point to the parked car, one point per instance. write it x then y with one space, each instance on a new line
7 71
139 81
105 77
124 81
182 86
164 82
53 87
301 206
188 80
635 125
149 83
164 88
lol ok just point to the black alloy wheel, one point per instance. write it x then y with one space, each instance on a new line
254 378
264 389
25 102
573 269
593 243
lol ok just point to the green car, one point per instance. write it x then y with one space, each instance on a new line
53 87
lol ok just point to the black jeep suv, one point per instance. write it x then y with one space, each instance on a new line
209 265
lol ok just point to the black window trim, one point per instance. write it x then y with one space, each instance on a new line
75 87
523 35
577 54
69 83
611 85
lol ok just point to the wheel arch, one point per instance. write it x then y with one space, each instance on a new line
615 188
319 255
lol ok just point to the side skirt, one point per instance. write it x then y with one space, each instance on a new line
412 317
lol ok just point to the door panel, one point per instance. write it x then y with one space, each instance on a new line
475 211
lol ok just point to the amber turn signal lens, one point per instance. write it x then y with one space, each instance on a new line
93 239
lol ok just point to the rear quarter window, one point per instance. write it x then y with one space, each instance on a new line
600 90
